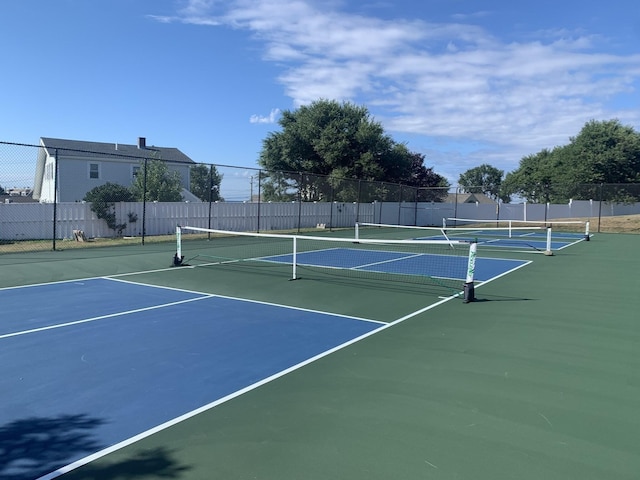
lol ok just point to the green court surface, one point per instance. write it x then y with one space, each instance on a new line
539 378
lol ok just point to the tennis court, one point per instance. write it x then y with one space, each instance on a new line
117 365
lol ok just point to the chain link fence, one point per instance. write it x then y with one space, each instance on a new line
59 198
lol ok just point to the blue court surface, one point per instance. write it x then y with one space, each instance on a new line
428 265
86 365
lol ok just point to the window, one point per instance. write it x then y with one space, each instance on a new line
135 169
48 171
94 170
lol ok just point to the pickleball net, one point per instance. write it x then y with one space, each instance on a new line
570 229
530 238
538 237
447 265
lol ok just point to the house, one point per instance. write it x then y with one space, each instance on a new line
469 198
83 166
17 195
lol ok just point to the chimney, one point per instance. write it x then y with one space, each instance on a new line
142 142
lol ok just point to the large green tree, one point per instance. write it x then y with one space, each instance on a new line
484 179
604 152
205 182
338 141
162 184
431 187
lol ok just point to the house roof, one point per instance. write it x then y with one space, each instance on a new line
17 199
469 198
114 151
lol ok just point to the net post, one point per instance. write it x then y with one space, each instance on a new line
357 233
178 257
586 231
469 289
548 251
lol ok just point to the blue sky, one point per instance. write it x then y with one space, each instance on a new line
463 82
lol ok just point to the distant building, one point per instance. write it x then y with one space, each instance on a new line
82 166
469 198
17 195
19 192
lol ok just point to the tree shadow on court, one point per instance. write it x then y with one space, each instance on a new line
36 446
154 463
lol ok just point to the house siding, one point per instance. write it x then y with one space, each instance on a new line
74 175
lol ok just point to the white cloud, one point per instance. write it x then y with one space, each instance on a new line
271 118
451 81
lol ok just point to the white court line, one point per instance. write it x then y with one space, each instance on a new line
100 317
391 260
247 300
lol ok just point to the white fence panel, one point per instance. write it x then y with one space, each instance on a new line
23 221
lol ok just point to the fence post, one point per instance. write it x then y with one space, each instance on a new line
416 193
259 197
55 198
300 186
600 206
210 199
358 201
400 206
144 200
331 209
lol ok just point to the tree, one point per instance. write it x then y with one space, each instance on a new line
162 185
431 186
484 179
533 179
205 182
103 199
603 152
328 138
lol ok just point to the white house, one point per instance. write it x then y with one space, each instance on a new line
81 166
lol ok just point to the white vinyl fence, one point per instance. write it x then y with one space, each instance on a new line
29 221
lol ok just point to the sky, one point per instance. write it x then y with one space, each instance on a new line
463 82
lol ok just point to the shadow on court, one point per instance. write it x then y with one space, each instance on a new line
157 462
497 298
36 446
